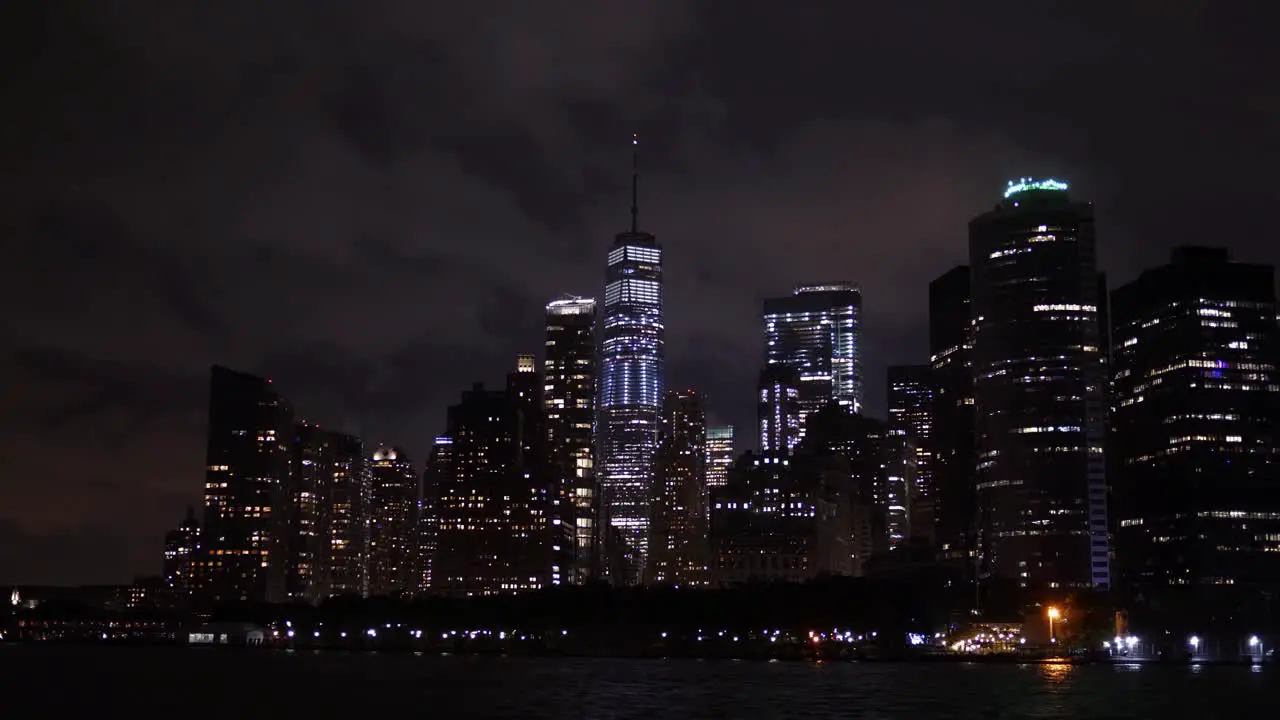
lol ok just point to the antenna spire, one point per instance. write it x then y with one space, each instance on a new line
635 182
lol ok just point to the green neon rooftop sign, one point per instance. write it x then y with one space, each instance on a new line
1027 184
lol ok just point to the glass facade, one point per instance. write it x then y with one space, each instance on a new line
816 332
569 400
911 417
720 448
631 387
1196 425
951 330
1040 371
246 487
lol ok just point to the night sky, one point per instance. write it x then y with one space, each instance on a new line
371 202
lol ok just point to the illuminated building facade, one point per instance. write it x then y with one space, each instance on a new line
349 503
392 523
1040 371
780 521
181 546
677 531
911 417
495 525
953 484
720 449
439 467
816 332
778 410
242 557
631 386
309 491
1196 424
569 400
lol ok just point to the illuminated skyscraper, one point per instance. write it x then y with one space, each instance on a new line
180 548
954 493
310 489
392 528
632 370
569 399
349 498
243 554
678 532
439 467
815 332
496 532
1196 425
1039 365
719 455
911 416
778 410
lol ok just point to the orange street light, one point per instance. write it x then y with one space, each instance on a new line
1053 614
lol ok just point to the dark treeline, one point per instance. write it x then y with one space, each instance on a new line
908 605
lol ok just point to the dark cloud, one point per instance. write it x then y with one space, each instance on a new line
370 202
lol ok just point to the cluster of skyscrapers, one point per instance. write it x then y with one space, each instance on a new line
1061 437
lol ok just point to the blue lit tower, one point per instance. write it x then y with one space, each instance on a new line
631 360
815 332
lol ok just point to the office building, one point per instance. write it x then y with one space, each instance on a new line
495 531
778 410
569 401
243 551
720 453
393 514
439 467
1039 367
349 514
309 536
181 546
911 416
678 531
816 332
632 372
1196 426
952 471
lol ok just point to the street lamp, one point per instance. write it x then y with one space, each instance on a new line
1194 641
1053 614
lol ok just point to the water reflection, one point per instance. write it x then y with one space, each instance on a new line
1056 672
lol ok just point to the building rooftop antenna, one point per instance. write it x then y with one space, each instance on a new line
635 182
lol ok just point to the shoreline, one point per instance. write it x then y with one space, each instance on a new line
789 657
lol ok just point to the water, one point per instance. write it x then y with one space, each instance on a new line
187 684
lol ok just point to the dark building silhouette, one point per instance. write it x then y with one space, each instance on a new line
349 503
816 331
495 528
778 410
181 547
911 418
677 528
242 556
1039 363
954 484
569 402
1196 427
867 451
393 538
309 533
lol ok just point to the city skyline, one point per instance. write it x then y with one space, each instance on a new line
375 255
